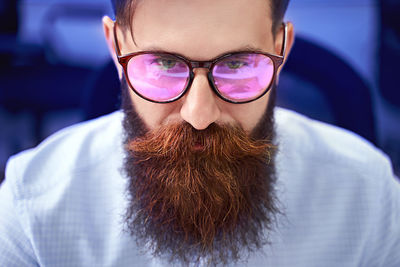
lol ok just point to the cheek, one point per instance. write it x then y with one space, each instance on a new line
153 114
248 115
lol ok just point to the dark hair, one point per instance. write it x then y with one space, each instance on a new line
278 10
124 10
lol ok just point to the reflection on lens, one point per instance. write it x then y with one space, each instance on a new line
243 77
159 77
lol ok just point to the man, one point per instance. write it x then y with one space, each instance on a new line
199 168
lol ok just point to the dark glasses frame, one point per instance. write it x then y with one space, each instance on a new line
192 64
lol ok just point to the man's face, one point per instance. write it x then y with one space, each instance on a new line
200 30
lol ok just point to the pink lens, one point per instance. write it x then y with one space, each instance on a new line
243 77
158 77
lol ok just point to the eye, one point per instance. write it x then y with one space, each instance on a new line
165 63
235 64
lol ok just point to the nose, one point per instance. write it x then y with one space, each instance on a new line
200 107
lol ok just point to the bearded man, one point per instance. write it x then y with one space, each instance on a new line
199 168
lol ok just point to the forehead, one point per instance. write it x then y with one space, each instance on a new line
201 29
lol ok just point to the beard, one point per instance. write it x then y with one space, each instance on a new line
200 196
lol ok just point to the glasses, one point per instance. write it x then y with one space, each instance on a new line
238 77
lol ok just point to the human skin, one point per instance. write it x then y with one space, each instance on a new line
199 30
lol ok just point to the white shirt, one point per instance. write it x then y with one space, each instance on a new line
62 203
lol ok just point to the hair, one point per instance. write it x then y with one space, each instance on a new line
125 9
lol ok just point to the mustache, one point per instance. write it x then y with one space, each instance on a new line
179 139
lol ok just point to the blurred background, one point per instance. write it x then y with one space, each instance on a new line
55 69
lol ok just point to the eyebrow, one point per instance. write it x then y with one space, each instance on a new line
245 48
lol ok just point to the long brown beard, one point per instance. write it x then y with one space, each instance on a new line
199 196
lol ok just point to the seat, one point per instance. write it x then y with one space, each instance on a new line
389 51
321 85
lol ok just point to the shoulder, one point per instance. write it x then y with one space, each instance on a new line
324 143
329 166
335 183
70 150
56 194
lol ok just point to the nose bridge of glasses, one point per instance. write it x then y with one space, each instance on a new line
201 64
206 66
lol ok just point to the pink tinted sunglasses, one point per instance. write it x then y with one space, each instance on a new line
237 77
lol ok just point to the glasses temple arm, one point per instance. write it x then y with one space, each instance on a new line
283 50
117 49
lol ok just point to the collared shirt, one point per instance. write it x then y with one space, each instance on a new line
63 202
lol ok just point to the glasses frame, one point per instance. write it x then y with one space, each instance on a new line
277 61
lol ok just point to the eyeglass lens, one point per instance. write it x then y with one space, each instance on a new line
158 77
242 77
161 77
